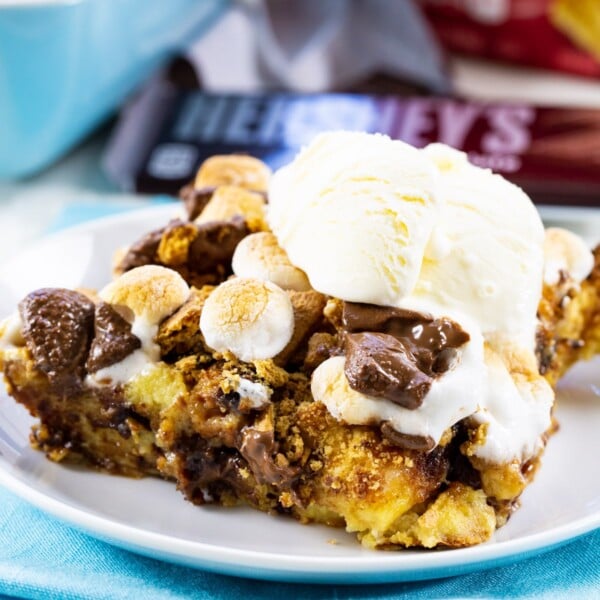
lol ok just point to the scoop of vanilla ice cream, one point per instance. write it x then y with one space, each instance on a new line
485 256
373 220
355 211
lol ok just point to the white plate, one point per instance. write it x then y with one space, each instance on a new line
150 517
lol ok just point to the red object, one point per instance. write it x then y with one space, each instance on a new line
519 31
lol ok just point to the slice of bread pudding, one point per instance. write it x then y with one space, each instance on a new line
250 368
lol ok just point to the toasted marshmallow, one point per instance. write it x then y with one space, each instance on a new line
151 292
229 201
243 171
567 252
259 256
252 319
11 332
514 405
12 342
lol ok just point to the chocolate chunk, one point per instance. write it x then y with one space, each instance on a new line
57 327
113 340
388 348
369 317
214 246
258 448
195 200
200 253
209 471
420 443
381 365
143 252
424 330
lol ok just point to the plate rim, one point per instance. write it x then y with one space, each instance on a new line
382 567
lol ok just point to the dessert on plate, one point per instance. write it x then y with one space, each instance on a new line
368 338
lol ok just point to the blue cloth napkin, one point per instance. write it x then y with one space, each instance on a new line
42 558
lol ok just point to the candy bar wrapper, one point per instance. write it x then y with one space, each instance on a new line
554 154
556 34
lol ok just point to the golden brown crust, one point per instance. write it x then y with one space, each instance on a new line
308 314
180 333
92 427
570 323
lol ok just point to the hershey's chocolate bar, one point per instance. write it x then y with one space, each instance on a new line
554 154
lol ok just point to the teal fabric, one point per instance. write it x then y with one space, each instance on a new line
42 558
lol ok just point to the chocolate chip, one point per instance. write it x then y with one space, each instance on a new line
215 244
195 200
380 365
57 327
207 471
113 340
420 443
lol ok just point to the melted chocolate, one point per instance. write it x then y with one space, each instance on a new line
383 366
57 327
396 354
113 340
370 317
215 244
210 251
258 448
461 468
195 200
423 330
208 471
230 401
420 443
